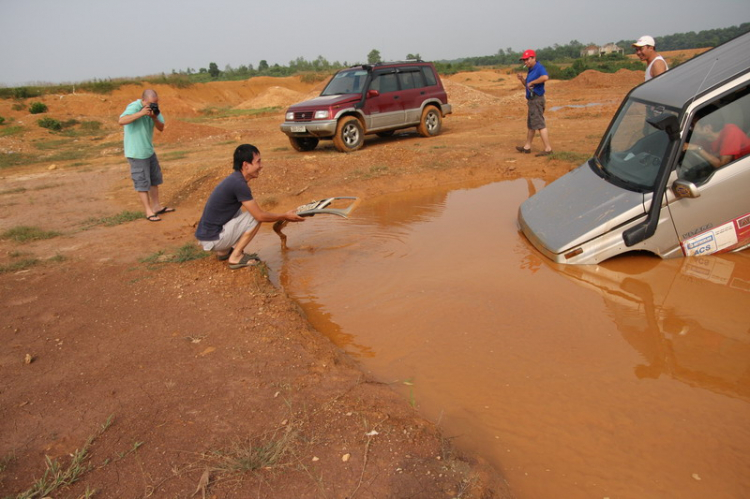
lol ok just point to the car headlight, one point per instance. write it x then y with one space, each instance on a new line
321 115
289 116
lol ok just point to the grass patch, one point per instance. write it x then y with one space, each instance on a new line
372 172
185 253
174 155
57 476
225 112
7 131
17 190
571 157
19 265
24 233
253 454
118 219
49 145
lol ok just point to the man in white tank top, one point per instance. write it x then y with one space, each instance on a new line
645 49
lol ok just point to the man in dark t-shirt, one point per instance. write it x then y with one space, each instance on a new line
225 227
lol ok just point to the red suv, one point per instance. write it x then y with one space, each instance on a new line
379 98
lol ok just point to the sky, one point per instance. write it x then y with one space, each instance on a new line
68 41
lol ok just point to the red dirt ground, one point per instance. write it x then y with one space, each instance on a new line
199 368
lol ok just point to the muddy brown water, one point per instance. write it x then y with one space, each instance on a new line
629 379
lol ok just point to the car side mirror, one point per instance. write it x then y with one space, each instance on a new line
685 189
372 93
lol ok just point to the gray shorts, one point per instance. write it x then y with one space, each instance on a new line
535 119
232 231
145 173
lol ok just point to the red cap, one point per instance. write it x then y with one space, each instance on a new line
527 54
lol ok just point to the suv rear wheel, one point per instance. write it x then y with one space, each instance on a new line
349 134
303 144
431 122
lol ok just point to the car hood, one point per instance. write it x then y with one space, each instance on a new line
577 208
326 101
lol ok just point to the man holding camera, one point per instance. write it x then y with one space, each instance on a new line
139 120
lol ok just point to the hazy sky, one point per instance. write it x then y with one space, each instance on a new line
56 41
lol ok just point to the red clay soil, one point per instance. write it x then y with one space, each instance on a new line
193 380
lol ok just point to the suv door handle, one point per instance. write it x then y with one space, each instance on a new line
395 97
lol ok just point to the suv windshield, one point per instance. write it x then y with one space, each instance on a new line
346 82
632 150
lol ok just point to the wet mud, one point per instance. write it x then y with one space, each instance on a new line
627 379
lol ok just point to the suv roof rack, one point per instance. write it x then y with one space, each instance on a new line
388 63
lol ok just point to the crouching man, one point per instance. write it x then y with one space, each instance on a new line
225 228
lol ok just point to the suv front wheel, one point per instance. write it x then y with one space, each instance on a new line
349 134
431 122
303 144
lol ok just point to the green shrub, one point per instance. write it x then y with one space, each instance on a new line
51 124
38 108
2 120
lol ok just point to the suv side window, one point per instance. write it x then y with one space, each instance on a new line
410 79
385 82
429 76
718 136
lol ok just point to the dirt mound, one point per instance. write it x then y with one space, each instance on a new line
462 96
596 79
275 96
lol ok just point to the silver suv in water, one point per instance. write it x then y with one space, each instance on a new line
379 98
671 175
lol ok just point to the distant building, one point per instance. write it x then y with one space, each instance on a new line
596 50
590 50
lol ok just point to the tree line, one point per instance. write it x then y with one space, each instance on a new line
561 61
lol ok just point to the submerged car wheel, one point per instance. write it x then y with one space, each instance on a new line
431 122
349 134
303 144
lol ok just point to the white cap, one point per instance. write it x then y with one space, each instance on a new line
645 40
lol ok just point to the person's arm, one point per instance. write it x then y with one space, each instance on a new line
712 159
261 215
537 81
158 123
129 118
658 68
522 79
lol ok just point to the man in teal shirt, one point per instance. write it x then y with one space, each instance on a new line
139 120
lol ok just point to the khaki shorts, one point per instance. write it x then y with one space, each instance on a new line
535 119
145 173
232 231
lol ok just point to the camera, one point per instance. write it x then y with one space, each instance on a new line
154 108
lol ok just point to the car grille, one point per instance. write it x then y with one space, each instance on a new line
303 116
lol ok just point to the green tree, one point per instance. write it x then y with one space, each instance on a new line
373 57
263 65
213 70
414 56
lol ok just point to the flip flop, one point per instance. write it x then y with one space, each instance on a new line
166 209
153 218
246 261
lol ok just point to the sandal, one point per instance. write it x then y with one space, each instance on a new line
246 261
166 209
153 218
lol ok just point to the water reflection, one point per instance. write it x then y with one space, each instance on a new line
688 318
620 380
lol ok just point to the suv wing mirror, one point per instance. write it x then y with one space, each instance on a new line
372 93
